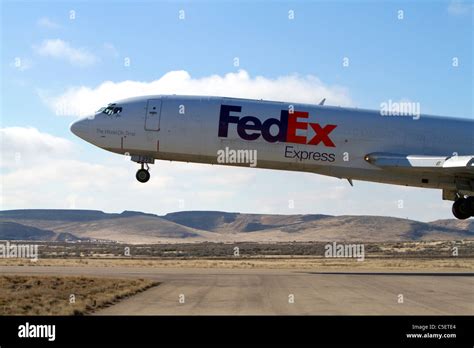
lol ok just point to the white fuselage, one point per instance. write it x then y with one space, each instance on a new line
299 137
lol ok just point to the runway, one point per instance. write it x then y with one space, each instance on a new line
282 292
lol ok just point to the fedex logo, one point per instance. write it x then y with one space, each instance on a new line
251 128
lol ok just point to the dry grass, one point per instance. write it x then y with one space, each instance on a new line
50 295
372 264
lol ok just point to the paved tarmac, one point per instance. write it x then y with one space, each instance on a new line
259 291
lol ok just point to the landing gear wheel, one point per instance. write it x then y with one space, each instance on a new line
462 208
143 175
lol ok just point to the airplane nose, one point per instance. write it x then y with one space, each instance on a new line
80 128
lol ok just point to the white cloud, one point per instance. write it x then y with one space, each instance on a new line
45 22
22 146
80 101
58 183
59 49
458 7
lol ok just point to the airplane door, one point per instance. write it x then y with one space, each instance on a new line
153 114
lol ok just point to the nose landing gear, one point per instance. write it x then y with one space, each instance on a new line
143 175
463 208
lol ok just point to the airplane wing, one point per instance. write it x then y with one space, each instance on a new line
461 166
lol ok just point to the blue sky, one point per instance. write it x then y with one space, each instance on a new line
389 58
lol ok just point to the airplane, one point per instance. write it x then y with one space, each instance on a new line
348 143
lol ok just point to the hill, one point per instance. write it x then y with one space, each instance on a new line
215 226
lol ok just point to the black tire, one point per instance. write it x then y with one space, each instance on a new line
143 175
461 209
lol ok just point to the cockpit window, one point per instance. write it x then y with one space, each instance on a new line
110 110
